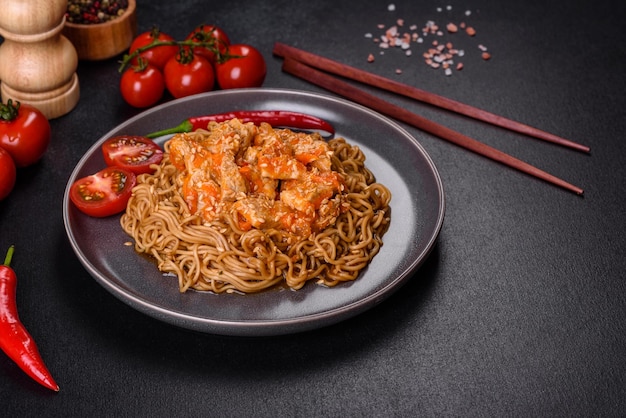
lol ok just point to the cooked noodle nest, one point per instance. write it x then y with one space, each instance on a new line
219 256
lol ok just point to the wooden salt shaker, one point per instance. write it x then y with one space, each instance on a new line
37 63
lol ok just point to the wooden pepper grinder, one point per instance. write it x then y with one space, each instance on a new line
37 63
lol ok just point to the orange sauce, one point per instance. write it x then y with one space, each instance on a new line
267 178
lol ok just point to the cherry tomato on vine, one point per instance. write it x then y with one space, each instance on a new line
7 173
24 132
187 74
132 152
142 86
244 67
158 55
104 193
215 36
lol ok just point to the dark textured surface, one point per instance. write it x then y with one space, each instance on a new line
520 310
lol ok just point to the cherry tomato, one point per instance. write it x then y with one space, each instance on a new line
24 132
132 152
142 86
187 74
210 34
104 193
245 67
7 173
157 56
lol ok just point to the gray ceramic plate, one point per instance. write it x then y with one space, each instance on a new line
395 157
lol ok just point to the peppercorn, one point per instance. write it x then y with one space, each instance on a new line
94 11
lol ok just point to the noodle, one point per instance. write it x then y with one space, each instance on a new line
214 248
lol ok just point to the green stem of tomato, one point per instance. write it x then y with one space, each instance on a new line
221 57
9 111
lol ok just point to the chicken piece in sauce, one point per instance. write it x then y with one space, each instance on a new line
268 178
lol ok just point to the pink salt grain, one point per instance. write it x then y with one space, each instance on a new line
440 54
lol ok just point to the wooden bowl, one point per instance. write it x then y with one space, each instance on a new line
100 41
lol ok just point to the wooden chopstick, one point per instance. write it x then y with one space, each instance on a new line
343 70
346 90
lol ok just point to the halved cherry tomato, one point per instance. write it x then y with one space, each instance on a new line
157 56
244 67
132 152
24 132
104 193
7 173
142 86
209 34
187 74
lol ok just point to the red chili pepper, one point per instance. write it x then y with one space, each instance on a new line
273 117
15 340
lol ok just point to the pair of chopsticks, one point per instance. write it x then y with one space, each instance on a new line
315 69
